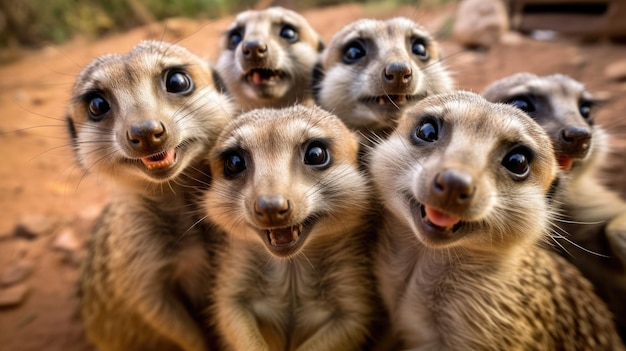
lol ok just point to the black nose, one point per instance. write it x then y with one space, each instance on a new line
397 74
146 135
454 187
254 49
575 141
272 210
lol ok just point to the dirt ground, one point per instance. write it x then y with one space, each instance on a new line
38 176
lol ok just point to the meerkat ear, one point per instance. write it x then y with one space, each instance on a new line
317 75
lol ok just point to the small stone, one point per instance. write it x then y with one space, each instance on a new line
616 71
480 23
34 226
16 273
13 296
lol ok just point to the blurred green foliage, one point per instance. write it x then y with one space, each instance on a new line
36 22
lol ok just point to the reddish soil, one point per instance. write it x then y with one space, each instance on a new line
38 174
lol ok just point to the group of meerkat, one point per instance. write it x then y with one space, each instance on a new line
297 196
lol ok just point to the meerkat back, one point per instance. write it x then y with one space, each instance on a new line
144 120
267 58
467 187
288 192
593 226
372 70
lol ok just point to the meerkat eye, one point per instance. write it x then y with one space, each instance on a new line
234 164
420 49
353 51
523 102
178 82
317 154
427 130
517 162
585 108
97 107
289 32
234 38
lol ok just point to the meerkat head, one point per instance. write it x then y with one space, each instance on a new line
372 70
286 178
562 107
142 117
267 58
462 172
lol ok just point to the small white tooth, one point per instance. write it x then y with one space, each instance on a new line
381 101
294 234
272 238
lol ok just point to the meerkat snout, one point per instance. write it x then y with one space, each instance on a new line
575 140
398 75
272 210
453 187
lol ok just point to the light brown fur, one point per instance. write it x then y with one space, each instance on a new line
594 218
144 280
262 40
317 293
389 71
477 280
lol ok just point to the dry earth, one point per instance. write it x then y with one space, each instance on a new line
42 188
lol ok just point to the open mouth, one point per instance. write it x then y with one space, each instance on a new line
286 241
565 162
263 76
435 226
161 160
389 100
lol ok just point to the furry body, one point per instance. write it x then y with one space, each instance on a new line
276 173
594 217
144 120
460 266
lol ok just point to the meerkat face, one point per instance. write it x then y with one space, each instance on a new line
145 115
373 70
267 58
460 171
286 178
560 105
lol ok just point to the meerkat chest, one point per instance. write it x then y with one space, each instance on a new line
287 297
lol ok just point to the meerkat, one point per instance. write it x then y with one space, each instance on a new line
460 266
288 192
145 121
372 70
267 57
594 217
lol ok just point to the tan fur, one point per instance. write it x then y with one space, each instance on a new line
482 283
143 283
293 57
319 293
354 90
594 217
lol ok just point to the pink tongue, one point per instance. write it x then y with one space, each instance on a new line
565 163
256 78
163 160
440 219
